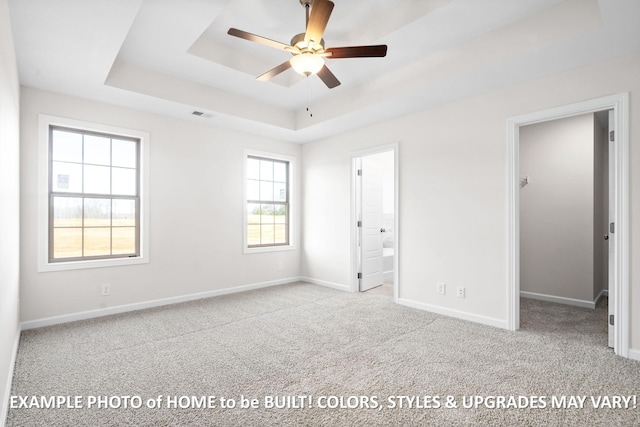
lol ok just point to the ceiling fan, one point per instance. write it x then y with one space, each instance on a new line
308 48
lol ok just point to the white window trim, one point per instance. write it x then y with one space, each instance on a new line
292 202
45 121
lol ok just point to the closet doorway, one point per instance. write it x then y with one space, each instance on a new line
618 249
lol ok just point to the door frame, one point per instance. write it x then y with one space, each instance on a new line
354 285
619 103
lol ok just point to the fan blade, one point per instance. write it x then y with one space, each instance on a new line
328 78
377 51
258 39
274 71
320 13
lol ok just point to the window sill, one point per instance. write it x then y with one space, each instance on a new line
269 249
99 263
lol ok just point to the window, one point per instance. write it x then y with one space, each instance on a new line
93 195
94 214
268 209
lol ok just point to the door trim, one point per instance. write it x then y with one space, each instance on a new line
354 285
620 104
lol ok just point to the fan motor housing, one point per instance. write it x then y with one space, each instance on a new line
298 41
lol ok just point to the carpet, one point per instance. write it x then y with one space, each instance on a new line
305 355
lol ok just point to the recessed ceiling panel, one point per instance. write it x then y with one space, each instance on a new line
174 56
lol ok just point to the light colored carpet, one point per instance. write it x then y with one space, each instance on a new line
302 339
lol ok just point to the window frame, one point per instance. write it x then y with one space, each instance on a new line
85 195
290 202
45 206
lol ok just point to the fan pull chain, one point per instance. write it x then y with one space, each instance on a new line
309 98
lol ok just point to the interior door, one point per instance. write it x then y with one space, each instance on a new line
612 232
371 230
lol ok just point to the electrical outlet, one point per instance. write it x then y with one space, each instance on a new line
441 288
460 292
105 290
280 266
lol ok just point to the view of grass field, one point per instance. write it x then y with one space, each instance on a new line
266 229
97 239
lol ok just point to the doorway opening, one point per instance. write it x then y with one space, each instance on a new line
374 218
617 260
564 222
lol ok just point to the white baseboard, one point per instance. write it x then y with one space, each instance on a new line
4 405
327 284
634 354
603 293
485 320
38 323
560 300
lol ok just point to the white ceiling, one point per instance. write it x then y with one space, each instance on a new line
172 57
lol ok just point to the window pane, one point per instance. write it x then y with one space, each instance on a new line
253 190
124 182
67 212
253 168
279 172
123 240
280 214
124 153
253 235
266 191
67 242
280 234
123 213
96 167
267 222
253 213
96 179
266 234
266 212
280 192
66 146
97 150
66 177
97 212
266 170
97 241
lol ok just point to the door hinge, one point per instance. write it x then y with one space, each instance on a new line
359 172
612 228
611 320
359 275
359 224
612 135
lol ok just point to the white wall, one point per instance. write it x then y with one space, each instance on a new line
453 192
196 189
9 206
557 208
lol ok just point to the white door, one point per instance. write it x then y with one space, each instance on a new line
612 232
371 230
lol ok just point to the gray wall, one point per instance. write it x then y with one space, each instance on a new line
562 251
9 205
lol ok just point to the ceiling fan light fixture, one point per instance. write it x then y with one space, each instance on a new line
308 48
307 63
